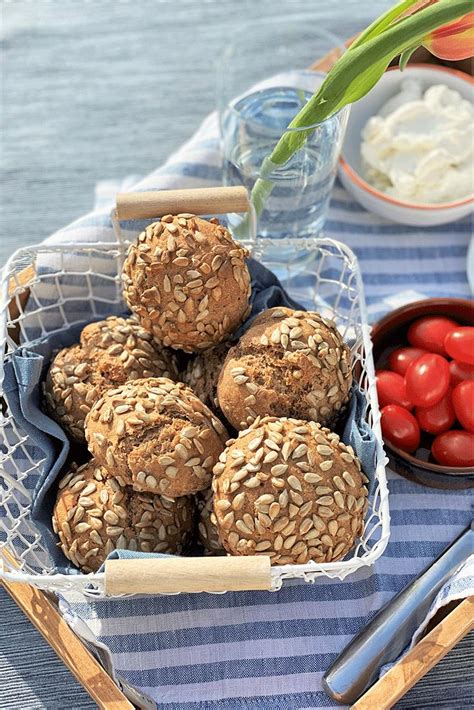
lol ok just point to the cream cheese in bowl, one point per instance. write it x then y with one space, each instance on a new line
419 147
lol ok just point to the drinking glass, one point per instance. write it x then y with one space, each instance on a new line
264 79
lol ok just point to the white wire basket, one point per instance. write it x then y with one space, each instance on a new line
48 288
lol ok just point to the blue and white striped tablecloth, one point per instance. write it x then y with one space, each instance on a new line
270 650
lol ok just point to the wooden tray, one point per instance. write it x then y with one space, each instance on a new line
444 635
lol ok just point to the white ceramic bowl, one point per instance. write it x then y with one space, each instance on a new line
350 172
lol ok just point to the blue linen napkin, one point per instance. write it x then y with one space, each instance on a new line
269 650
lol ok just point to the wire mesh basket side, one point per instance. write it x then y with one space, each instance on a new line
66 285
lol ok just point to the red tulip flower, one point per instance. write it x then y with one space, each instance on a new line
453 41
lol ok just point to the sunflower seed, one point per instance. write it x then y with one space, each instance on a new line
324 450
338 549
114 530
348 478
274 510
82 528
294 482
238 501
305 526
327 540
265 499
348 458
111 517
324 512
289 542
253 482
300 451
254 443
312 477
280 524
318 523
296 498
95 523
339 483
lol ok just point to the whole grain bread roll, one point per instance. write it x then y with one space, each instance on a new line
187 281
291 490
202 374
287 364
95 514
110 352
157 436
208 535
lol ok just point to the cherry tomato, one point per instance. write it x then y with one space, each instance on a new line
399 360
400 427
460 371
459 344
454 448
427 379
437 418
391 389
429 333
463 402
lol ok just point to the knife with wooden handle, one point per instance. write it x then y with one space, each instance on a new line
392 628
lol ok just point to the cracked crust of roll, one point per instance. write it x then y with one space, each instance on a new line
291 490
109 353
157 435
288 364
187 281
95 514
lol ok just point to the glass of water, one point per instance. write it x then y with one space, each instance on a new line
264 80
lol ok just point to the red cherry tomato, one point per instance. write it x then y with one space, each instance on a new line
454 448
437 418
463 402
400 427
399 360
427 379
459 343
391 389
429 333
460 371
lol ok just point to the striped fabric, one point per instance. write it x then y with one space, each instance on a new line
269 650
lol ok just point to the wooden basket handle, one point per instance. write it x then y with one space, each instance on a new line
170 575
202 200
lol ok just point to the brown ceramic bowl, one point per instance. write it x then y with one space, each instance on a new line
390 333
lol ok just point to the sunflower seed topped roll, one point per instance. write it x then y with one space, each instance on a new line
157 435
95 514
202 374
187 281
291 490
110 352
288 364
